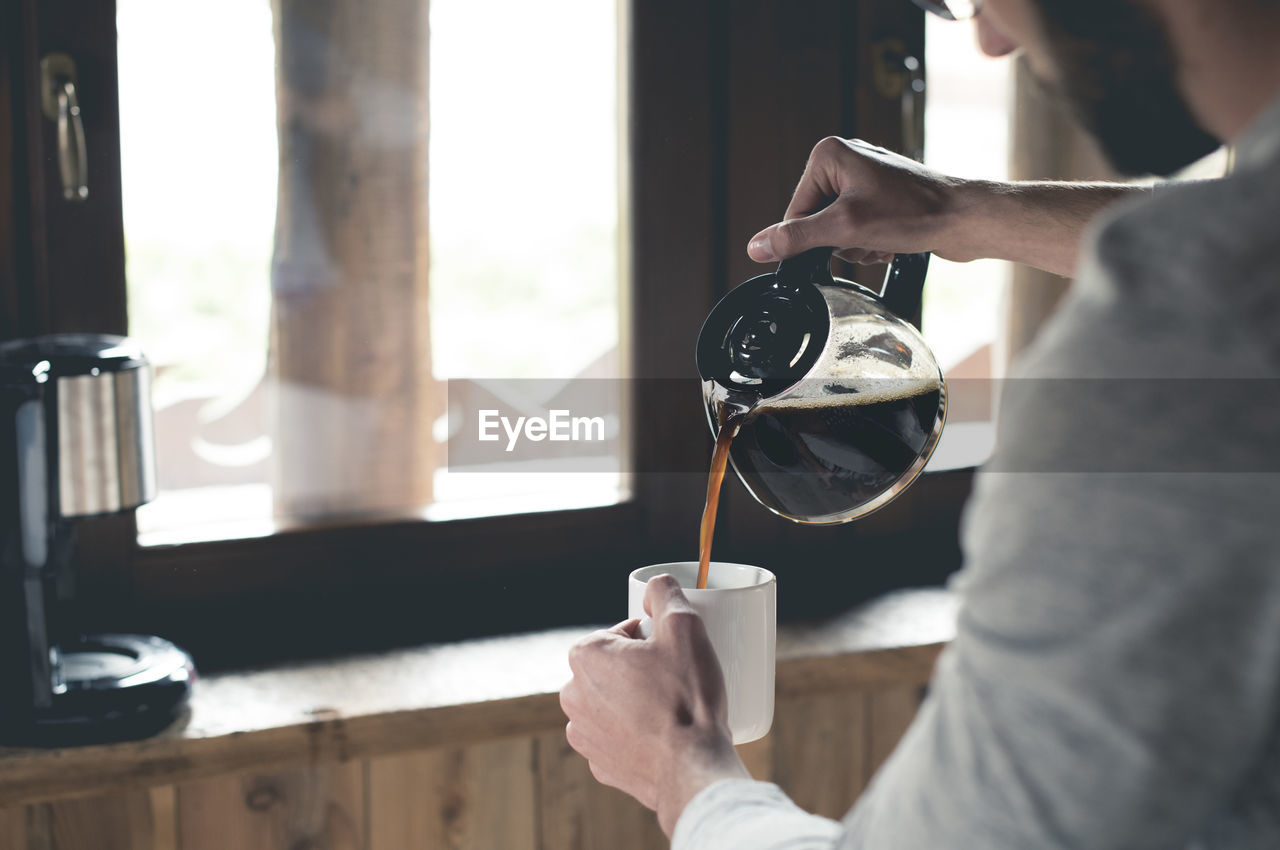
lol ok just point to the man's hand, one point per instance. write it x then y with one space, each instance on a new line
869 204
650 715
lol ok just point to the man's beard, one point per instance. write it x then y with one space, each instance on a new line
1117 72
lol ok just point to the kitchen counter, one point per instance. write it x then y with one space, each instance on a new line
448 694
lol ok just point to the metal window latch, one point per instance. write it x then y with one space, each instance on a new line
898 75
62 106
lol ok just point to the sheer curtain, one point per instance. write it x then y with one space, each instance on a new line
1047 144
353 400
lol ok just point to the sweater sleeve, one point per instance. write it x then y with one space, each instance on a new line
741 814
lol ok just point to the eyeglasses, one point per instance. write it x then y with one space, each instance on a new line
952 10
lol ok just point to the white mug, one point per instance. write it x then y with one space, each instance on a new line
739 607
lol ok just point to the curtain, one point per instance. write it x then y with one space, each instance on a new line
353 401
1047 144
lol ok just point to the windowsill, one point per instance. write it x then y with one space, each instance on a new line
244 511
446 695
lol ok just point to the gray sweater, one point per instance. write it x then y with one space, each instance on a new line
1115 678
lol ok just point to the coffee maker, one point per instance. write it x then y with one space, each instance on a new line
75 442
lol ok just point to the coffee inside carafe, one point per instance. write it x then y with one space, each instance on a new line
837 401
811 459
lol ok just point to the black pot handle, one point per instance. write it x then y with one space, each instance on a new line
813 266
903 288
901 292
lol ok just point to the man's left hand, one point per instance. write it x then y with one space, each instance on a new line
649 714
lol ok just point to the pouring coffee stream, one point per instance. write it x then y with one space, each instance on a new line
719 461
827 403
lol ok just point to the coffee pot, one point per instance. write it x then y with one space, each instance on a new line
836 399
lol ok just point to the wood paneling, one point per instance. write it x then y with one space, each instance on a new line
578 813
320 807
826 747
471 798
164 818
889 713
820 751
13 828
104 822
521 793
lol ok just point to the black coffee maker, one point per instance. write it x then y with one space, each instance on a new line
75 442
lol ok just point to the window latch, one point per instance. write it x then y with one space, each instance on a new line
899 76
62 106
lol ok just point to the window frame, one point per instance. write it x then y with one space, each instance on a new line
734 85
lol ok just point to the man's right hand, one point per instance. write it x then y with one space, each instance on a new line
869 204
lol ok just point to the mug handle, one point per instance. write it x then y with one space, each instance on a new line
645 629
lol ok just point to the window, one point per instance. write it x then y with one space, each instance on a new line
367 274
967 135
523 254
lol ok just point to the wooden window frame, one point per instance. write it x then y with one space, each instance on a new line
725 100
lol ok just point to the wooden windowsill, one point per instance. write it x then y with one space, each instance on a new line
448 694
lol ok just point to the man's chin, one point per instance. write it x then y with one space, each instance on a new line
1161 145
1134 139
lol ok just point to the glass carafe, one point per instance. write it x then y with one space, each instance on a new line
837 400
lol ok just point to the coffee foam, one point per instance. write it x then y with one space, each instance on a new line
861 393
861 379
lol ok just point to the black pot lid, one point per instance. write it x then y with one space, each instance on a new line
765 335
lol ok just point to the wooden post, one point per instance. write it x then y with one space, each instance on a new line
350 366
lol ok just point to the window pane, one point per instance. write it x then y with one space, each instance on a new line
525 262
523 188
346 227
967 135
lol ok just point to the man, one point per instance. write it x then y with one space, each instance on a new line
1115 677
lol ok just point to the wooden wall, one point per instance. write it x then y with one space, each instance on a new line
530 793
